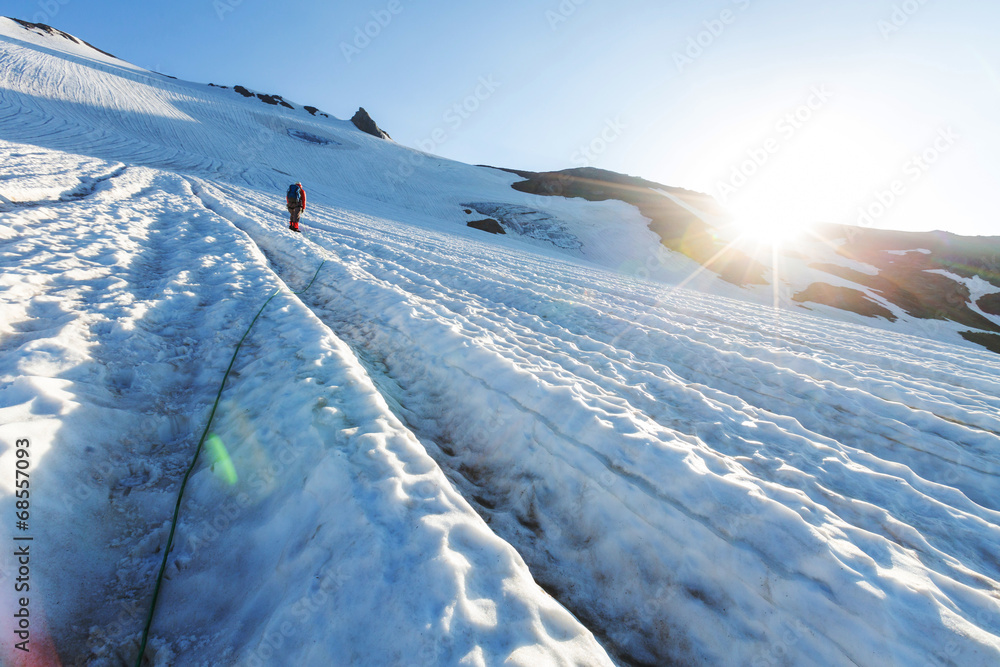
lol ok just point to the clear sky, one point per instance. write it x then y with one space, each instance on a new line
883 112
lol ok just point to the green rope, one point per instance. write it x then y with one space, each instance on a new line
194 461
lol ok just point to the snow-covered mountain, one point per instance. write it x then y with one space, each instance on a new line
566 444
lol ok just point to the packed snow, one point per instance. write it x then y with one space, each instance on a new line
453 448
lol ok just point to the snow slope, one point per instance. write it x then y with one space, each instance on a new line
698 479
120 312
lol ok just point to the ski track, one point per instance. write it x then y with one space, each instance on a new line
700 480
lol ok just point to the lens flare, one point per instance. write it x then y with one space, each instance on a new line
222 464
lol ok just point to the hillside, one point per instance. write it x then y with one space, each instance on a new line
563 445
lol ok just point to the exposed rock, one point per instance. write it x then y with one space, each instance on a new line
907 264
364 122
49 30
844 298
271 99
990 303
487 225
990 341
921 294
274 99
965 256
315 112
263 97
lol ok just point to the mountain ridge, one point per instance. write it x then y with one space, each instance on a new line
691 225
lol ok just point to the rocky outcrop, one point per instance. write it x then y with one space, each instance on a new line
271 99
920 271
924 274
49 30
990 303
990 341
918 292
844 298
313 111
364 122
487 225
263 97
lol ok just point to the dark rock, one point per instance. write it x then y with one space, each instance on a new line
844 298
906 275
929 296
215 85
965 256
314 111
487 225
990 341
364 122
273 100
990 303
47 29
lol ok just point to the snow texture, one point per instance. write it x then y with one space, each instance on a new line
691 478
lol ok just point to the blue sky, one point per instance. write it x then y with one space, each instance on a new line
883 112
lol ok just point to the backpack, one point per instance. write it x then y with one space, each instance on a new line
294 196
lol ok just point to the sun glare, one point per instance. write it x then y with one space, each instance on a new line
766 229
836 168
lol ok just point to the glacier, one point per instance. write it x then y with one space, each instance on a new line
453 447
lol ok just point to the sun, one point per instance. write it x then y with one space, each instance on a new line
828 170
765 230
772 229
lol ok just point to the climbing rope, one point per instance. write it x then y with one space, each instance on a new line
194 461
